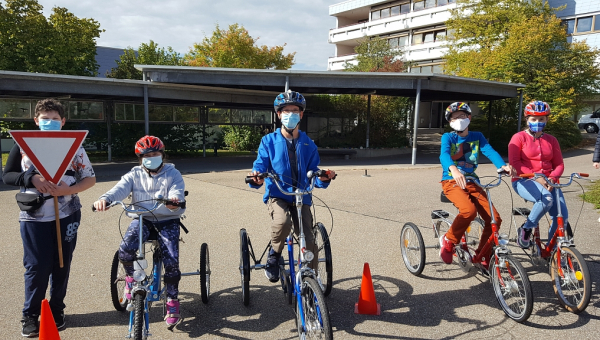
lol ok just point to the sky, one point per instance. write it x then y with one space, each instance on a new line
301 24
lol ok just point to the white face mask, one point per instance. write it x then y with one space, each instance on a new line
460 124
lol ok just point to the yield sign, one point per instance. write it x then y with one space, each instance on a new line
51 152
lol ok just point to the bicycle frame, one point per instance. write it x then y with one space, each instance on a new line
500 241
305 258
558 239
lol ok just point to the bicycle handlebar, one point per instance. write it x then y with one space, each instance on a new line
490 185
158 202
311 176
578 175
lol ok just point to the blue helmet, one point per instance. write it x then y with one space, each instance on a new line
455 107
289 98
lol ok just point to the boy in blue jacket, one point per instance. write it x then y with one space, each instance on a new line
289 153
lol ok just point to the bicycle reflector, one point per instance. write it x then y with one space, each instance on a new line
503 240
139 274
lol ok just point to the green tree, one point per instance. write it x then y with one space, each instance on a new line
147 54
522 42
375 55
62 43
235 48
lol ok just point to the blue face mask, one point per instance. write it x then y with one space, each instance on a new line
536 127
290 121
152 163
49 124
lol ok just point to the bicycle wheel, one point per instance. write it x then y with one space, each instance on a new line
512 287
117 283
138 316
474 230
412 248
204 273
325 270
245 266
572 283
316 315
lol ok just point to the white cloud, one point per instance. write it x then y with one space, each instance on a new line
302 25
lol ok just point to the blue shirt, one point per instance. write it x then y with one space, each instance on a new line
463 152
273 157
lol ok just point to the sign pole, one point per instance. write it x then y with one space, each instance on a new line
58 236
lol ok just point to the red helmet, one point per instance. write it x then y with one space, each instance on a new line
537 108
148 144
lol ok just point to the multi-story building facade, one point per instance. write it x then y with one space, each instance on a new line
415 26
582 19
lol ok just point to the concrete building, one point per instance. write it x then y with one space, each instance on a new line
415 26
582 19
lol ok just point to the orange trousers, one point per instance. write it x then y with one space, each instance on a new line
469 202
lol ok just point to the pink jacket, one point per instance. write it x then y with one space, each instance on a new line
541 155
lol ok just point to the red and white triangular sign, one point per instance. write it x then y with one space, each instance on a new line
51 152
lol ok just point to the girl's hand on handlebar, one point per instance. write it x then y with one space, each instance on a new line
329 175
174 200
255 178
543 182
101 205
460 179
596 165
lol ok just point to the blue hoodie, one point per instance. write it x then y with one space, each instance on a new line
273 157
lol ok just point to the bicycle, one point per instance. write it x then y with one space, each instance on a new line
148 288
302 286
508 277
571 279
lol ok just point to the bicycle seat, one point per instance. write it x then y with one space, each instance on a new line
521 211
444 199
439 214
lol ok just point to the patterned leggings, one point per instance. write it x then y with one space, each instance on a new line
168 241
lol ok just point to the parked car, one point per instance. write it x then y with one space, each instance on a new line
590 123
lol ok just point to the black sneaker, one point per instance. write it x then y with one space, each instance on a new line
523 237
272 266
30 326
59 320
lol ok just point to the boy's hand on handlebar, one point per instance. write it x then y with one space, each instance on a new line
101 205
510 170
328 175
459 178
255 178
596 165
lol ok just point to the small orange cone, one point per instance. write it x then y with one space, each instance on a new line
366 299
48 330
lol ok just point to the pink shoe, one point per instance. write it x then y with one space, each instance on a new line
446 250
128 286
172 317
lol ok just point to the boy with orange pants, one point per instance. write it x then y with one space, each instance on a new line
459 157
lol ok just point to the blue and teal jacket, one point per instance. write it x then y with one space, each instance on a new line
273 157
464 153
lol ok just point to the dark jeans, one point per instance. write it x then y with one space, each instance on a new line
40 258
168 241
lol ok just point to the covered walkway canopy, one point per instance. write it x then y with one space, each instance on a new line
422 87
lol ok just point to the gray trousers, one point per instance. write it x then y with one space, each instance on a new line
282 215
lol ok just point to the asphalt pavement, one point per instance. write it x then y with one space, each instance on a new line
364 216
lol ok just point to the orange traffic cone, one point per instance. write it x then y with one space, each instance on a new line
366 299
48 330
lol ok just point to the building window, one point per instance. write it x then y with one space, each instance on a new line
429 36
398 41
84 110
419 5
584 24
16 109
570 25
429 3
390 10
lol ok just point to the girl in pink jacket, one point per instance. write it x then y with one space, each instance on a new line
533 151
